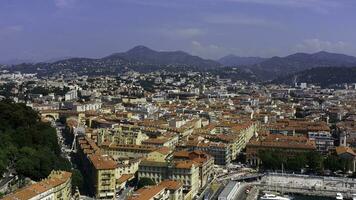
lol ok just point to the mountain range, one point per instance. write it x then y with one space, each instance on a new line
144 59
139 58
142 54
282 66
322 76
232 60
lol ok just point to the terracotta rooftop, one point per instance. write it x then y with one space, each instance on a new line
102 162
125 177
299 125
171 185
147 193
283 141
155 141
186 164
342 150
164 150
197 156
133 147
184 154
55 178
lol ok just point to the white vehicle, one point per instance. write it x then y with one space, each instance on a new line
268 196
339 196
353 196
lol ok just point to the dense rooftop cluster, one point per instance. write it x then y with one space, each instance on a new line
170 135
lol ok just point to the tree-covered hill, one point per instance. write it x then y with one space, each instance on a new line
139 58
322 76
282 66
26 144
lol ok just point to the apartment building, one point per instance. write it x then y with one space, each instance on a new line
235 135
129 150
187 172
151 193
297 126
175 189
204 160
163 141
323 140
57 186
102 176
167 189
121 135
288 144
220 151
127 166
62 184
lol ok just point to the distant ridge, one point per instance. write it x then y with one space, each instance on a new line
144 59
322 76
232 60
16 61
144 54
139 58
282 66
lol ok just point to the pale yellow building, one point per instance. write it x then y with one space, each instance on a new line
165 190
121 135
103 179
204 161
126 166
156 192
235 135
175 189
186 172
56 187
169 141
127 151
61 183
159 155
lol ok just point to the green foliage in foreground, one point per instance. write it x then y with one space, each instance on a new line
27 144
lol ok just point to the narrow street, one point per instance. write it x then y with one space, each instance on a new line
65 149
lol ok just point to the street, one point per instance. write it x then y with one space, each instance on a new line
65 149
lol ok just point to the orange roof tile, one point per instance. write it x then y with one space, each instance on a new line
147 193
125 177
171 185
55 179
342 150
101 162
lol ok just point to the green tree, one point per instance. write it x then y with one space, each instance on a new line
77 179
27 144
332 162
273 160
145 182
314 160
3 162
297 162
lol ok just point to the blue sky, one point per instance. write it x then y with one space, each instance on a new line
43 29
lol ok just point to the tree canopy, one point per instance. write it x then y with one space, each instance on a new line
27 144
313 161
145 182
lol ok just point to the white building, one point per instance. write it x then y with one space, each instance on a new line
71 95
230 191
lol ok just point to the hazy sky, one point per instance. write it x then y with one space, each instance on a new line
43 29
